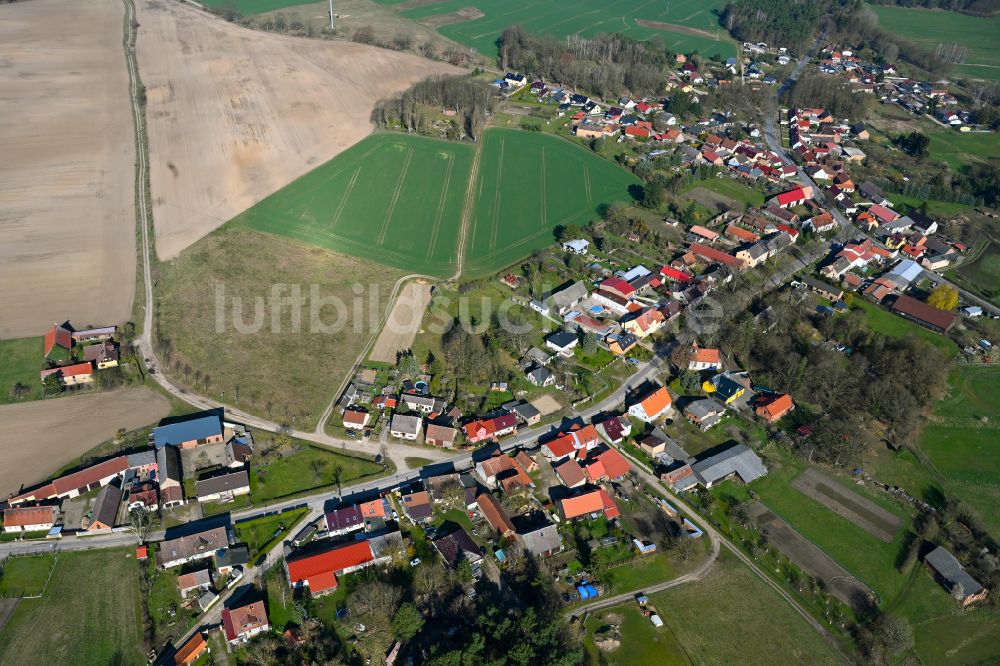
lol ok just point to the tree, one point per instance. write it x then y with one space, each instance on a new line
407 622
915 143
408 365
139 521
893 632
18 391
338 473
589 343
52 384
944 297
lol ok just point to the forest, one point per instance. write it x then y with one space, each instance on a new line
471 98
605 65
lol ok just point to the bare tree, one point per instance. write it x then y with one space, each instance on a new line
139 521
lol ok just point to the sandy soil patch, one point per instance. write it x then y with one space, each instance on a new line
861 511
67 217
808 556
236 114
546 404
460 16
38 438
403 323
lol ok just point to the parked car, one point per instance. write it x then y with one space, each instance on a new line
415 562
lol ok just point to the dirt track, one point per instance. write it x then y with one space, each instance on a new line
40 437
403 323
236 114
67 217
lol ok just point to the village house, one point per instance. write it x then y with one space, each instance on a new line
577 246
71 375
538 536
566 297
228 559
458 547
562 343
590 503
242 623
570 473
406 427
29 519
703 359
356 419
318 571
417 506
103 356
773 407
190 652
654 404
500 470
823 289
614 429
223 488
644 323
168 464
704 412
493 428
440 435
195 580
568 443
191 547
727 386
495 515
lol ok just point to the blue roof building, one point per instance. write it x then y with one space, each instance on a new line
198 430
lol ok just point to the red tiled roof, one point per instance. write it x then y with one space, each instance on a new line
774 409
570 473
494 514
674 274
704 355
656 401
57 335
323 565
711 254
31 515
373 509
615 464
792 196
618 285
741 233
70 370
237 621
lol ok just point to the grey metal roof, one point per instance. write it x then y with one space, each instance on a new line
819 285
168 463
569 296
737 458
231 557
562 339
704 407
142 458
948 566
106 506
220 484
539 376
526 411
405 424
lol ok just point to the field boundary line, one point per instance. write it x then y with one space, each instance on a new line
586 184
343 202
440 210
395 197
495 218
470 196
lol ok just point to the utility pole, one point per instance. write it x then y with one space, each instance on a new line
331 15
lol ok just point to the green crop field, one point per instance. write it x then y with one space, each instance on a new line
962 440
981 275
682 25
932 27
528 184
399 200
79 620
249 7
391 198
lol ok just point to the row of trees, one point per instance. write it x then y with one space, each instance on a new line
472 99
605 65
974 7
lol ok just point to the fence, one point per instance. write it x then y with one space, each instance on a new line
41 593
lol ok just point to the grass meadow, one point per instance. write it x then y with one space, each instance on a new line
641 642
25 575
258 534
962 440
249 7
20 361
281 372
682 25
931 27
733 617
80 620
982 274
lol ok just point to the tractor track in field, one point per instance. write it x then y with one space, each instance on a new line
395 197
343 201
470 196
495 221
435 232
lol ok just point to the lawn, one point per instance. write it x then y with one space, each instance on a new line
259 533
962 437
730 189
415 463
286 366
982 274
163 602
933 27
733 617
80 620
25 576
884 322
681 25
308 468
528 184
391 198
20 361
641 642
